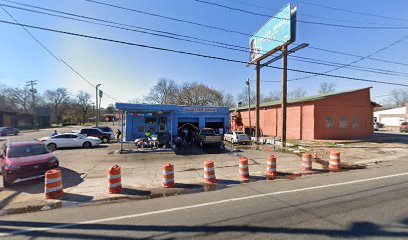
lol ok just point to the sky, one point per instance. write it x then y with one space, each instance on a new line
127 72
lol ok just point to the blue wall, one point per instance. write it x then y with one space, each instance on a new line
179 113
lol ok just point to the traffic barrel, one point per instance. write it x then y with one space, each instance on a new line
168 175
115 180
53 184
243 169
334 162
271 166
209 172
307 162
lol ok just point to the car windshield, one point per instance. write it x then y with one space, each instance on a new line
207 132
240 133
105 129
28 150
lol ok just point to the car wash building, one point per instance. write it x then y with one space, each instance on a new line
157 118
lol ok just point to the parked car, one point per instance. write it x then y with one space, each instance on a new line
94 132
206 137
107 130
4 131
70 140
404 127
21 161
237 137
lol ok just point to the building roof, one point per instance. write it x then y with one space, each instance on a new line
398 110
303 99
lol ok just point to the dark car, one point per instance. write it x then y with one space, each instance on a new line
164 139
404 127
95 132
27 160
4 131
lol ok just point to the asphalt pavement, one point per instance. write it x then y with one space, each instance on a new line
359 204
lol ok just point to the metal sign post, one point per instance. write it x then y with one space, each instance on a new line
284 91
258 100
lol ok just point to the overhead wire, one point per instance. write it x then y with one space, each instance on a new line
51 53
302 21
195 54
308 15
227 30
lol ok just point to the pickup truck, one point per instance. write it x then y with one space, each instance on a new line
206 137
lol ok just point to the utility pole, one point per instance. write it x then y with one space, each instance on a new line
96 103
248 83
284 91
33 91
100 100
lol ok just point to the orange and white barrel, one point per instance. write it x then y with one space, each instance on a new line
334 162
243 168
307 162
53 184
209 172
168 175
114 180
271 166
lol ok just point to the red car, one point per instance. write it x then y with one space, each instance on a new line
21 161
404 127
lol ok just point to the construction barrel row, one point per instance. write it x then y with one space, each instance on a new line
53 179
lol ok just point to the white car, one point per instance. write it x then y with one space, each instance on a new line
70 140
236 137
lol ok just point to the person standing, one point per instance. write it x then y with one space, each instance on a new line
221 131
118 133
186 136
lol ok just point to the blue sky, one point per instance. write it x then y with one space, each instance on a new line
127 72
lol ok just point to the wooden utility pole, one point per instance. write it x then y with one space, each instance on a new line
258 100
31 84
284 91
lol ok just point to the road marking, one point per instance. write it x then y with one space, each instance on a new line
195 206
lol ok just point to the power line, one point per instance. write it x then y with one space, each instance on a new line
358 60
230 31
301 21
195 54
49 51
308 15
236 47
351 11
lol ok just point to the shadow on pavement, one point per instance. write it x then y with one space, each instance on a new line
193 149
70 178
356 230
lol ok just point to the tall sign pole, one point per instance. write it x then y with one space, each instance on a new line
258 100
96 103
284 91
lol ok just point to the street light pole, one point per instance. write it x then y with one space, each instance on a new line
96 103
248 83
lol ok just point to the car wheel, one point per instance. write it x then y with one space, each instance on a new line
105 140
15 134
87 145
52 146
5 183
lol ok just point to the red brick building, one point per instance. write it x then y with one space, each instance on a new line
342 115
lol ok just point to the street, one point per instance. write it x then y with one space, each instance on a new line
371 204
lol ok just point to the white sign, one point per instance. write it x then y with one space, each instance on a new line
196 109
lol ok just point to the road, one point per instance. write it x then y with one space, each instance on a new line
360 204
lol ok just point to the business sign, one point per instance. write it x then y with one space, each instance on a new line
196 109
277 31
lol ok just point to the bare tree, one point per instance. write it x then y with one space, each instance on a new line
326 88
297 93
59 100
83 99
273 96
398 97
243 97
16 99
163 92
228 100
196 94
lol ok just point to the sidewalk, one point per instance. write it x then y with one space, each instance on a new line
142 176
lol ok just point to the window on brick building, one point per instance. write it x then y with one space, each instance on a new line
356 122
329 122
343 122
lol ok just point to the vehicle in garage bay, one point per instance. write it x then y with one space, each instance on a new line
237 137
21 161
70 140
206 137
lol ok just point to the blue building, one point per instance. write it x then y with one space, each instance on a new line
171 118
